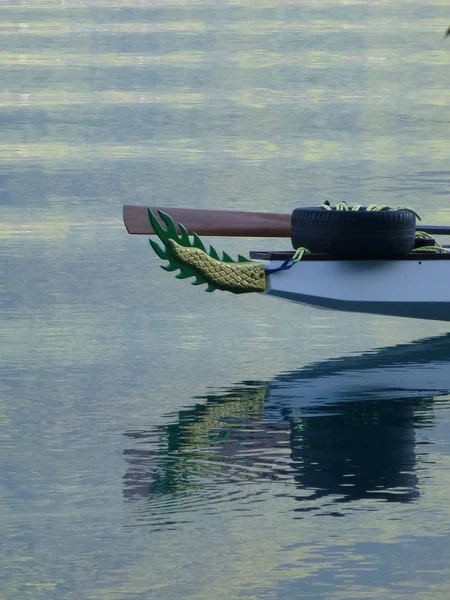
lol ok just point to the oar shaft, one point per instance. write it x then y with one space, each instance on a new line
226 223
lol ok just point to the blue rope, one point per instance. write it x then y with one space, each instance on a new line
290 262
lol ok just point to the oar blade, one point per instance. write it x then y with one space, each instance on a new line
227 223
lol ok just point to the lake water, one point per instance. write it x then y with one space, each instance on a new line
159 442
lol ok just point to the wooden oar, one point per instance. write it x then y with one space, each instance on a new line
225 223
228 223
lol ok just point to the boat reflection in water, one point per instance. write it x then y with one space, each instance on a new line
334 432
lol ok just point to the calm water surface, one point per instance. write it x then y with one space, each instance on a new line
159 442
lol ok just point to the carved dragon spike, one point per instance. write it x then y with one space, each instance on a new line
159 251
213 253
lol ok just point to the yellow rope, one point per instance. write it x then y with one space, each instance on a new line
423 235
434 247
371 208
299 254
409 209
378 207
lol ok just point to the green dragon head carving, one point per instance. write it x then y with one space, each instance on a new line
193 260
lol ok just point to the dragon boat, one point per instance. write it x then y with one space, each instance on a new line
414 283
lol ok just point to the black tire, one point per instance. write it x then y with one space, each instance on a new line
354 234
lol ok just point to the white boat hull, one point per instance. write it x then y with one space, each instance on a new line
411 288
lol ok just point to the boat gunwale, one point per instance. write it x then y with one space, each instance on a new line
277 255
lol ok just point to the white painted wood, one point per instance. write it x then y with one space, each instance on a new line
404 288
